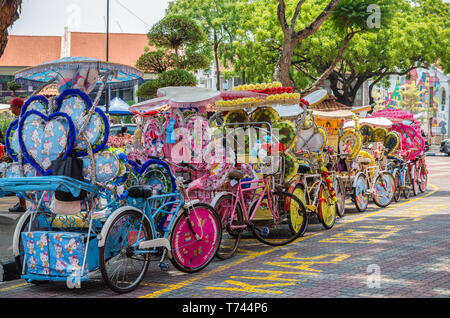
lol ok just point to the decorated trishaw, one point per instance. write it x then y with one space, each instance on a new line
407 162
364 146
84 212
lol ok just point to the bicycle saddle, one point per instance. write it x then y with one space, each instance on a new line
140 191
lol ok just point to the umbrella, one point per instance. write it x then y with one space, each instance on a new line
179 97
118 107
79 72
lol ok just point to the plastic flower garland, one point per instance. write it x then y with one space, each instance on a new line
120 141
259 86
329 183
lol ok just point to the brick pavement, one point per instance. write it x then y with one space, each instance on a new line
399 251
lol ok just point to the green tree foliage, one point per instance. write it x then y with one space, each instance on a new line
170 78
179 43
14 86
220 20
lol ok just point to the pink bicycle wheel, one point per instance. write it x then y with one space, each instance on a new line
189 253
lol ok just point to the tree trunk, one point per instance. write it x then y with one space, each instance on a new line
216 59
9 13
282 71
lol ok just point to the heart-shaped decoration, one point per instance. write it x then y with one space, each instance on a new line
45 138
13 171
391 143
107 166
155 173
12 140
38 103
77 104
311 139
153 138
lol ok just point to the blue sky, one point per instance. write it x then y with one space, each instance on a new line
49 17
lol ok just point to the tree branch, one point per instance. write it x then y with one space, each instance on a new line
297 11
281 13
309 30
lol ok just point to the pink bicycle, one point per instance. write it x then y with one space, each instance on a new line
274 216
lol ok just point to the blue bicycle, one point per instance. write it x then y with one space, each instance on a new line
402 177
157 224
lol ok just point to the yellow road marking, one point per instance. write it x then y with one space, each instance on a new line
13 287
254 255
250 257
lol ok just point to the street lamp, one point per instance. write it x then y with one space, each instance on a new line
107 93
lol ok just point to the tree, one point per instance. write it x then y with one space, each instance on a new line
170 78
219 18
179 43
9 13
292 37
14 86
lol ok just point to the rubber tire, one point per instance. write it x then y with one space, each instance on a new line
174 260
327 226
294 234
376 181
340 195
103 261
233 235
397 192
358 206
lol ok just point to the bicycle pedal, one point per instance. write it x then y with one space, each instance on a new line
264 231
164 266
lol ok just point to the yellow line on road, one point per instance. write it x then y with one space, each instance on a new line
243 260
13 287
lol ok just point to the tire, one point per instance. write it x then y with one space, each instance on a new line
360 193
191 255
384 189
117 256
299 193
414 180
397 192
340 195
230 238
423 178
406 183
280 232
326 208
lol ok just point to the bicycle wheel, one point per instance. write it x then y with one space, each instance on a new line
230 238
414 180
406 183
340 195
360 193
423 177
297 219
277 231
326 211
384 189
189 253
398 191
121 268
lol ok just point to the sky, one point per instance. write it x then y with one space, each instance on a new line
49 17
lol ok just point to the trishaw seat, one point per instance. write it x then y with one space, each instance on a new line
140 191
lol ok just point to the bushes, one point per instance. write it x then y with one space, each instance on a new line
170 78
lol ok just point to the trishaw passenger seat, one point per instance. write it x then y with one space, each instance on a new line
140 191
303 168
236 175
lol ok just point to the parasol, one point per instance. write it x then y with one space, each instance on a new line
118 107
79 72
178 97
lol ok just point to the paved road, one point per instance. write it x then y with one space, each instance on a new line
400 251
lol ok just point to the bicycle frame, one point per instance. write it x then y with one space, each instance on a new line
239 199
